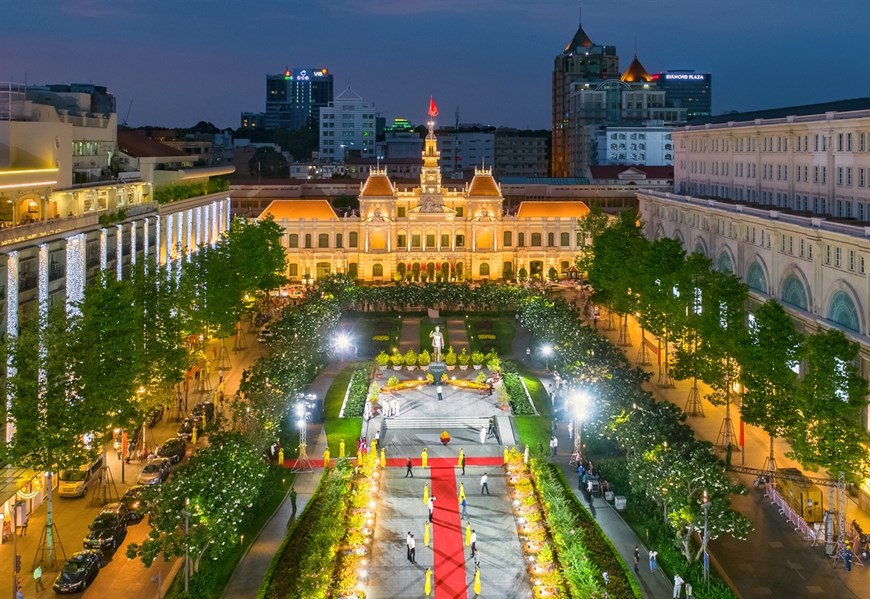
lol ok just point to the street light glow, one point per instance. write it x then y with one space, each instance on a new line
547 350
581 404
342 341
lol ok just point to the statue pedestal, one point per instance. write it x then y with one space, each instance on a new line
436 369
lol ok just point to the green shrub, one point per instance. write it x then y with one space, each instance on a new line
519 401
357 393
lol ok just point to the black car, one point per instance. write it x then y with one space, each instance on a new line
204 407
174 449
78 572
154 416
185 429
135 502
108 529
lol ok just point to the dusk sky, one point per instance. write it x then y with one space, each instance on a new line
181 61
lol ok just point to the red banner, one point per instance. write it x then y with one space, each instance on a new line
433 109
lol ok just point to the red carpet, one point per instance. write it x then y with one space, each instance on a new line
447 546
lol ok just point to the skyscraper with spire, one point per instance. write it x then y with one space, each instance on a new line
582 61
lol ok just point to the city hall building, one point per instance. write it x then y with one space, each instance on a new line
430 232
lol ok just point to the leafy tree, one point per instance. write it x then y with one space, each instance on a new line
53 420
829 399
267 162
257 256
590 227
218 488
768 378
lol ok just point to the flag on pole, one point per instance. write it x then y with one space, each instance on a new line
433 110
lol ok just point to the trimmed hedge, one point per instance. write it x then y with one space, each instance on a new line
519 401
358 393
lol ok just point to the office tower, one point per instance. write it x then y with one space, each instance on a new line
294 98
347 126
687 89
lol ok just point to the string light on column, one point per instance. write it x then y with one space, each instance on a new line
167 243
133 244
215 224
103 248
42 285
119 251
75 272
179 236
11 326
189 243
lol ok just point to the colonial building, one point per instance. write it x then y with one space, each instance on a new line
429 231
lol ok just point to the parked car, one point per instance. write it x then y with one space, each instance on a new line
156 471
185 429
173 449
206 407
75 483
135 502
154 416
108 529
265 335
78 572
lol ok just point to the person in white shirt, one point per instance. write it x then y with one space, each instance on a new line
484 486
439 389
412 548
473 542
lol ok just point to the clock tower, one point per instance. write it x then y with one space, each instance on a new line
430 175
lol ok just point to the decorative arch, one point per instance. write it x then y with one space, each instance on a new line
843 309
378 269
756 278
701 247
724 262
678 235
659 233
794 292
484 269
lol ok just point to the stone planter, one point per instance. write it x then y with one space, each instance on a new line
424 368
382 367
397 366
478 366
451 367
409 367
463 367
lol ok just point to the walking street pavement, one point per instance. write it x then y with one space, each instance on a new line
775 560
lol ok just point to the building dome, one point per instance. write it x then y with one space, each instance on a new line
483 185
378 184
635 73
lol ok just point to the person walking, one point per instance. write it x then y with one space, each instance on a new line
473 542
636 558
461 491
464 504
431 507
678 585
847 558
412 547
408 466
23 528
484 485
37 576
653 555
476 554
482 435
439 390
293 500
462 461
554 443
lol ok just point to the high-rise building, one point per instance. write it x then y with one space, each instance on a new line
581 61
520 153
347 126
687 89
401 141
295 97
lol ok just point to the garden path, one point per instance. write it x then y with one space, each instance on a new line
457 334
410 337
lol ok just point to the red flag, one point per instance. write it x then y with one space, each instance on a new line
433 110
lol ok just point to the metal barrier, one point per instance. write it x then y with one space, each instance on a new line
806 530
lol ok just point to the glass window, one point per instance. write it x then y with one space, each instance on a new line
415 240
308 240
460 241
294 240
323 240
401 240
352 270
521 239
353 239
551 239
565 239
484 270
460 211
400 211
430 240
339 240
536 240
378 270
508 239
293 270
445 240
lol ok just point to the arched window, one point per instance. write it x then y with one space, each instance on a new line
378 270
536 240
484 269
842 311
507 270
339 240
352 270
551 239
323 240
401 268
755 278
793 292
308 240
521 239
294 241
724 264
700 248
508 239
564 239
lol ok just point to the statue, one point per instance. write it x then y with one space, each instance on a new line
437 343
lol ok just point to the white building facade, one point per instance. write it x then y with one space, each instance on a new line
347 124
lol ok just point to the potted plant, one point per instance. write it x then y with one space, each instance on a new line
450 358
463 358
423 360
393 381
477 360
397 360
445 437
430 378
410 359
382 359
480 378
504 400
493 362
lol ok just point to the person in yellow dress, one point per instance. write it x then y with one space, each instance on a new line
326 458
461 491
425 457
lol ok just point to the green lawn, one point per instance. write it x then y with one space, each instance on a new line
533 430
501 326
340 428
536 390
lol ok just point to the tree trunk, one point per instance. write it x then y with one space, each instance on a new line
49 521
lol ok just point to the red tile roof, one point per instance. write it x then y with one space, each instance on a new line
137 145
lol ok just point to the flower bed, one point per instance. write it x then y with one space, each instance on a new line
464 384
404 386
518 398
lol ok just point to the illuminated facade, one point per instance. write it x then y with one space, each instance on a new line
430 232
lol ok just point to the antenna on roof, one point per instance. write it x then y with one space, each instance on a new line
580 16
635 46
457 119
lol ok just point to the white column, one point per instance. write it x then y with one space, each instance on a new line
189 242
158 226
11 326
119 251
366 239
42 283
75 271
215 223
168 238
197 226
133 248
473 238
229 212
179 235
103 248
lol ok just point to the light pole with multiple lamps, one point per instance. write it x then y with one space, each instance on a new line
581 406
547 351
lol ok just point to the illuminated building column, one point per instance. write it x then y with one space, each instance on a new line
11 325
119 251
75 271
367 238
133 248
215 223
103 248
197 226
158 230
228 207
189 242
438 238
495 238
473 238
389 237
179 235
42 283
168 248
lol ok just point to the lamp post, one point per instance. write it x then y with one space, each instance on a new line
186 515
705 505
581 405
342 343
547 350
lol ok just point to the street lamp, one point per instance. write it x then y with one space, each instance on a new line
547 351
581 402
705 505
186 515
342 343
